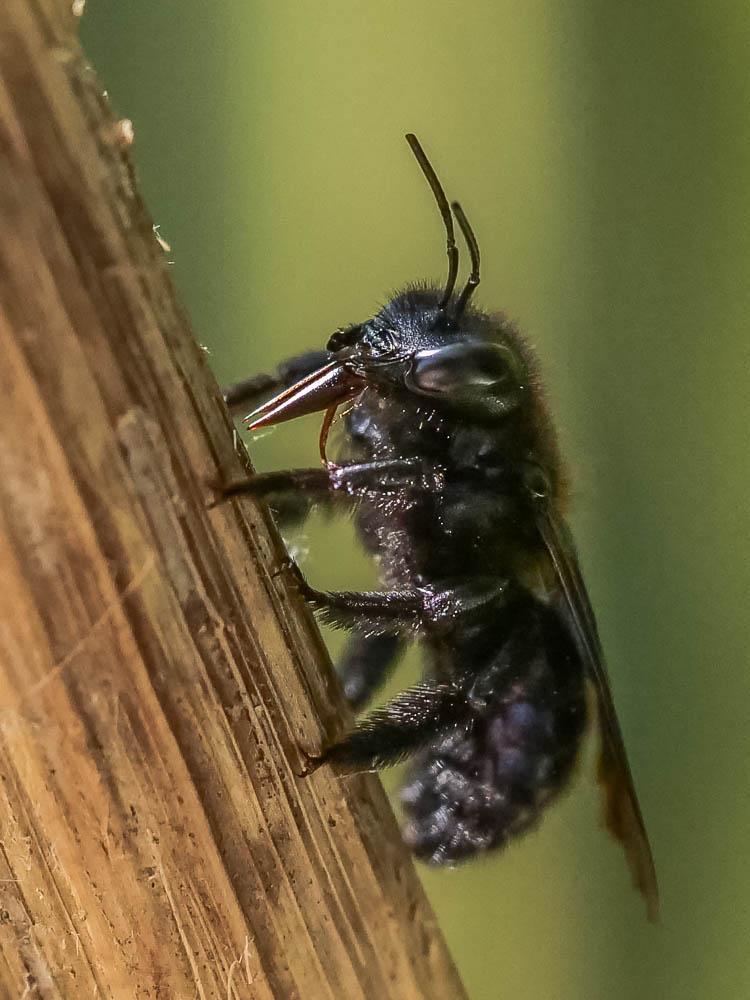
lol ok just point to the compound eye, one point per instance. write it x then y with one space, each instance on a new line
346 337
459 367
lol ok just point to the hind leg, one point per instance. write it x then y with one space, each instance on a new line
399 729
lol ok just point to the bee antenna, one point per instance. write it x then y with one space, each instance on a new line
471 242
442 203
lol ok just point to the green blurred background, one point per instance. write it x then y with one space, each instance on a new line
602 152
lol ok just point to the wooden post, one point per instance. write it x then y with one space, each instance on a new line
157 681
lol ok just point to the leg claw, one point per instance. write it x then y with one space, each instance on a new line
218 488
224 491
291 567
310 764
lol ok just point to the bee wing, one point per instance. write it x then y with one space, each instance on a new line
622 814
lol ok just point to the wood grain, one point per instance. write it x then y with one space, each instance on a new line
157 680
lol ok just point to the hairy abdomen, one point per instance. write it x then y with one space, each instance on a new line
479 786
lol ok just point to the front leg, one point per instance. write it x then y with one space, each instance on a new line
290 494
386 478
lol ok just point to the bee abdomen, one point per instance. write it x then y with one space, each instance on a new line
476 789
473 793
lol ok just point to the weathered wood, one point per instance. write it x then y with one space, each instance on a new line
157 681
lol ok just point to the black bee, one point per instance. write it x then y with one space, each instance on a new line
451 461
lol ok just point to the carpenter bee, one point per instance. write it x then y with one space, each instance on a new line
451 464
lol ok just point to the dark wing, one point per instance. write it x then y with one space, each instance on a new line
622 814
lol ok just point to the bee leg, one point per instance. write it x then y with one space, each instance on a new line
374 613
346 480
390 476
383 611
247 393
397 730
314 482
366 662
290 495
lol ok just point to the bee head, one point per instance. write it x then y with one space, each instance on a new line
414 346
425 342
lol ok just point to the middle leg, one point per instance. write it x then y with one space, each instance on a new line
437 609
